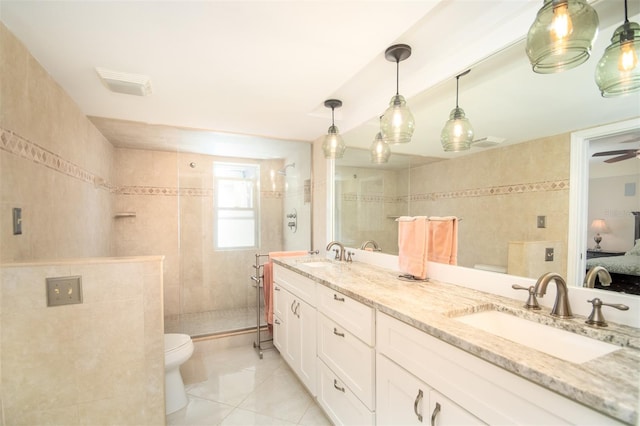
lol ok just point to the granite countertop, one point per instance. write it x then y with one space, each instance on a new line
609 384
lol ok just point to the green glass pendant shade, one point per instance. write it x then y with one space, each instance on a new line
618 72
562 35
457 133
397 124
380 150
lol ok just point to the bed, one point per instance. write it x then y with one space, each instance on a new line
624 270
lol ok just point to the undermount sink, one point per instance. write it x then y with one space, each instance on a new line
316 264
544 338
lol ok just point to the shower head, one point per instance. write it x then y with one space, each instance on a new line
283 171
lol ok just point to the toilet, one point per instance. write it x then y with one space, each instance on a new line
178 348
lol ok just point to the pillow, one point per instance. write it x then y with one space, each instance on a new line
635 251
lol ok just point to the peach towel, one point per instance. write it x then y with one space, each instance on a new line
443 240
413 243
267 283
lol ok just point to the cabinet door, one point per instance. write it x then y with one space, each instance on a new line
401 398
291 352
307 364
445 412
279 318
279 301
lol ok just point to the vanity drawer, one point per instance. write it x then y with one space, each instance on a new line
352 315
348 357
337 400
301 286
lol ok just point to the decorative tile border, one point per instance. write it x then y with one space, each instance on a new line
17 145
520 188
546 186
369 198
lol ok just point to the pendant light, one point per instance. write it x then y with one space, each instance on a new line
562 35
457 133
333 145
618 72
380 150
397 123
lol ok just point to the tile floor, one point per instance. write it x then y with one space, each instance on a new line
233 386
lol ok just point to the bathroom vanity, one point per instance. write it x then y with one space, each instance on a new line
386 351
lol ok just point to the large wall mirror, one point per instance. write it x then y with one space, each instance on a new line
515 189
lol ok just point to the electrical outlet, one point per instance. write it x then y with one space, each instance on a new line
542 221
64 290
548 254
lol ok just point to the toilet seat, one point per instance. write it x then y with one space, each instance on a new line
175 342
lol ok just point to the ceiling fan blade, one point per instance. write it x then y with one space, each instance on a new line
619 152
622 157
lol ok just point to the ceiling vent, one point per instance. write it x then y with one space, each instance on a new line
122 82
487 142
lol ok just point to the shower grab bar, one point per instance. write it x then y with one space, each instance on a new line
258 278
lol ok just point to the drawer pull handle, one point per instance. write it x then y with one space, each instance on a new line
337 333
276 288
339 299
435 413
292 309
415 405
296 310
335 385
276 321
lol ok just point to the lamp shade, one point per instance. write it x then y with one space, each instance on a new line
457 133
380 150
397 123
562 35
333 146
599 226
618 72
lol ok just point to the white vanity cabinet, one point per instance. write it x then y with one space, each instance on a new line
346 358
468 389
295 323
403 399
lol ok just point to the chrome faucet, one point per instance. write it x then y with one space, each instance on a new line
600 272
561 308
339 253
375 245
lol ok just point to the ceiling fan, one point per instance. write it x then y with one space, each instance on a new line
622 154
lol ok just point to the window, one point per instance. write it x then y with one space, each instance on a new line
236 205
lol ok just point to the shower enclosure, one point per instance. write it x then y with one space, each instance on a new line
230 208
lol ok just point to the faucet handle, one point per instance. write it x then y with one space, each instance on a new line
312 252
532 302
349 254
596 318
337 256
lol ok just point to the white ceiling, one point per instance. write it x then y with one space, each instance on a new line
220 69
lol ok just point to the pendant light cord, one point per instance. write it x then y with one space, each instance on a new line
397 77
626 19
457 81
332 120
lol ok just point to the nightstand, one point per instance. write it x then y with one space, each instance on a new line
603 253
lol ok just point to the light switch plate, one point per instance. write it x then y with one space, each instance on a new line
17 221
542 221
64 290
548 254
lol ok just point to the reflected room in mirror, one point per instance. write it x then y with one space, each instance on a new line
512 187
